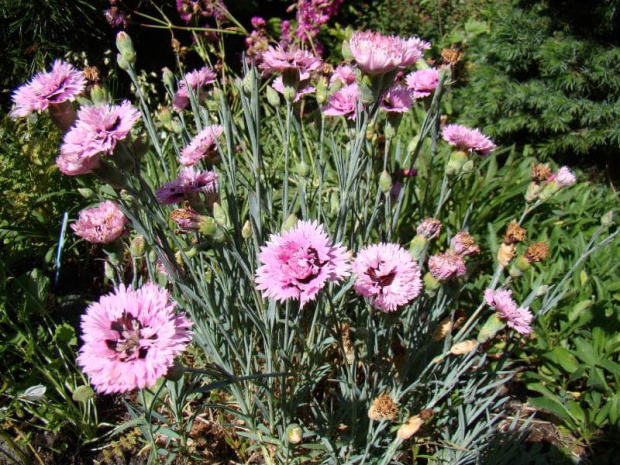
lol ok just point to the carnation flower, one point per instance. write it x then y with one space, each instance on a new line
429 228
196 80
278 60
423 82
375 53
467 140
343 75
387 275
446 266
397 99
517 318
190 182
131 338
343 102
63 83
202 146
563 178
102 224
298 263
463 244
97 131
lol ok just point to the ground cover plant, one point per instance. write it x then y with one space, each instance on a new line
357 277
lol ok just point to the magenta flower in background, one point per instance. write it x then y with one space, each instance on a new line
517 318
298 263
202 146
197 80
131 338
190 182
63 83
375 53
563 178
101 224
387 275
446 266
311 14
467 140
343 102
343 74
277 60
397 99
423 82
429 228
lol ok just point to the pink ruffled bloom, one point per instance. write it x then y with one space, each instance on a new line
343 102
517 318
467 140
387 275
344 75
131 338
101 224
397 99
197 80
298 263
277 60
190 181
429 229
375 53
463 244
563 178
202 146
63 83
423 82
446 266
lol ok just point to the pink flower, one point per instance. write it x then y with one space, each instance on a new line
397 99
563 178
423 82
297 264
101 225
464 244
501 301
466 139
131 338
63 83
387 275
429 228
377 54
97 131
189 182
277 60
446 266
343 102
202 146
344 75
278 85
197 80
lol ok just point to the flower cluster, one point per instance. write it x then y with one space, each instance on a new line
451 264
311 15
102 224
131 338
517 318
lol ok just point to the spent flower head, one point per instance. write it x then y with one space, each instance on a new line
446 266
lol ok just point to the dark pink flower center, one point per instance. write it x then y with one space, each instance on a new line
382 275
133 340
304 265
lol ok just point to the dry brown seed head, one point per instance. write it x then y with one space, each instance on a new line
451 55
537 252
464 347
514 233
383 408
540 172
410 427
505 254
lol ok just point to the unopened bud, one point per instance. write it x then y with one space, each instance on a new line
122 62
86 192
219 214
108 271
456 162
273 97
137 246
346 50
99 95
125 47
246 230
490 328
168 78
385 182
175 372
247 84
208 226
321 91
417 247
294 433
532 192
303 169
520 265
608 218
430 284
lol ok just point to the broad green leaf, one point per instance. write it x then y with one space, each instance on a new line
552 406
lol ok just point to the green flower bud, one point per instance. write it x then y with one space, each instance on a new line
303 169
208 226
168 79
191 252
548 191
417 246
294 433
608 218
321 91
137 246
430 284
385 182
175 372
108 271
273 97
346 50
125 46
122 62
456 162
99 95
247 84
246 230
86 192
219 214
532 192
490 328
468 166
520 265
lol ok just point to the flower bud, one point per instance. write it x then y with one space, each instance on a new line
608 218
346 50
168 78
137 246
86 192
108 271
122 62
99 95
520 265
303 169
532 192
464 347
417 247
468 166
219 214
294 433
246 230
443 329
125 47
208 226
430 284
321 91
273 97
290 222
490 328
385 182
456 162
175 372
505 254
247 84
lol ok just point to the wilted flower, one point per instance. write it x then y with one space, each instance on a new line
387 275
423 82
467 140
197 80
202 146
131 338
343 102
446 266
190 182
102 224
429 228
375 53
537 252
397 99
277 60
411 426
63 83
298 263
462 348
515 317
514 233
464 244
383 408
540 172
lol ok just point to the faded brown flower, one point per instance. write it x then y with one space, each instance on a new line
410 427
514 233
540 172
537 252
505 254
451 55
383 408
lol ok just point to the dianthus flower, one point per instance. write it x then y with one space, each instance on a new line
397 99
131 338
278 85
277 60
190 182
197 80
446 266
343 102
375 53
63 83
101 224
343 74
423 82
202 146
563 178
298 263
467 140
429 228
387 275
517 318
464 244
